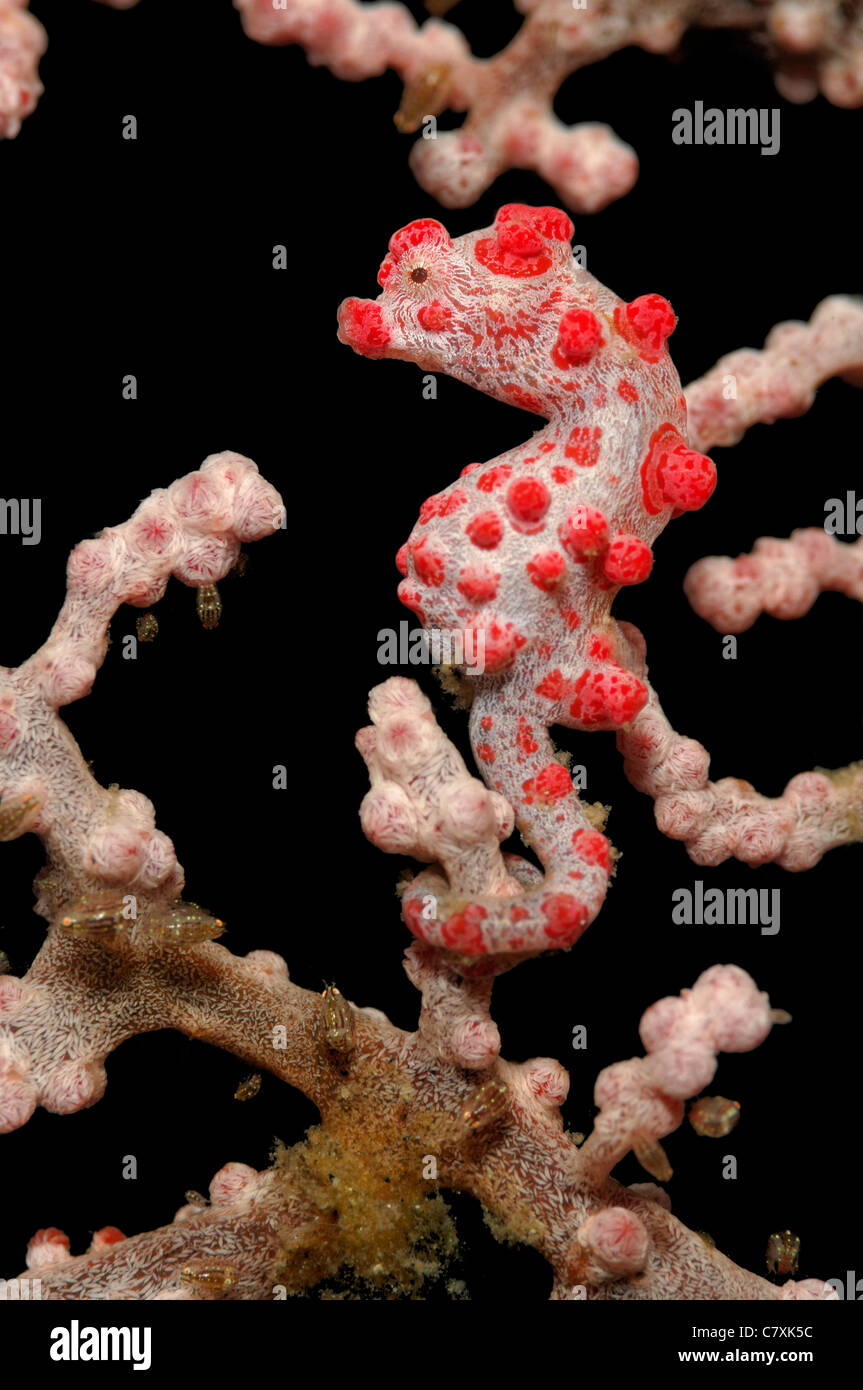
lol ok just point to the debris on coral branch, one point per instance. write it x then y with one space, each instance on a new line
250 1087
209 605
715 1116
147 627
652 1157
783 1253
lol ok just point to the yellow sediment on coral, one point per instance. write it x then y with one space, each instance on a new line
597 813
849 819
519 1227
458 687
379 1227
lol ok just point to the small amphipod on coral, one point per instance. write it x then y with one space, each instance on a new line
527 552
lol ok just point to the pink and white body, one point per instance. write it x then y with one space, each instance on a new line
525 554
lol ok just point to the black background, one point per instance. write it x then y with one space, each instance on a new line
154 258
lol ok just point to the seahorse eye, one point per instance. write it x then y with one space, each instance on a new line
419 275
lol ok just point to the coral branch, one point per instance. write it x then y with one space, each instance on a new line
356 1199
818 810
424 803
643 1098
782 578
510 121
22 43
455 1022
729 819
522 557
389 1103
82 999
746 387
98 839
816 45
227 1250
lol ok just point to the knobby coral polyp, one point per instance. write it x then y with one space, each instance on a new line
527 553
